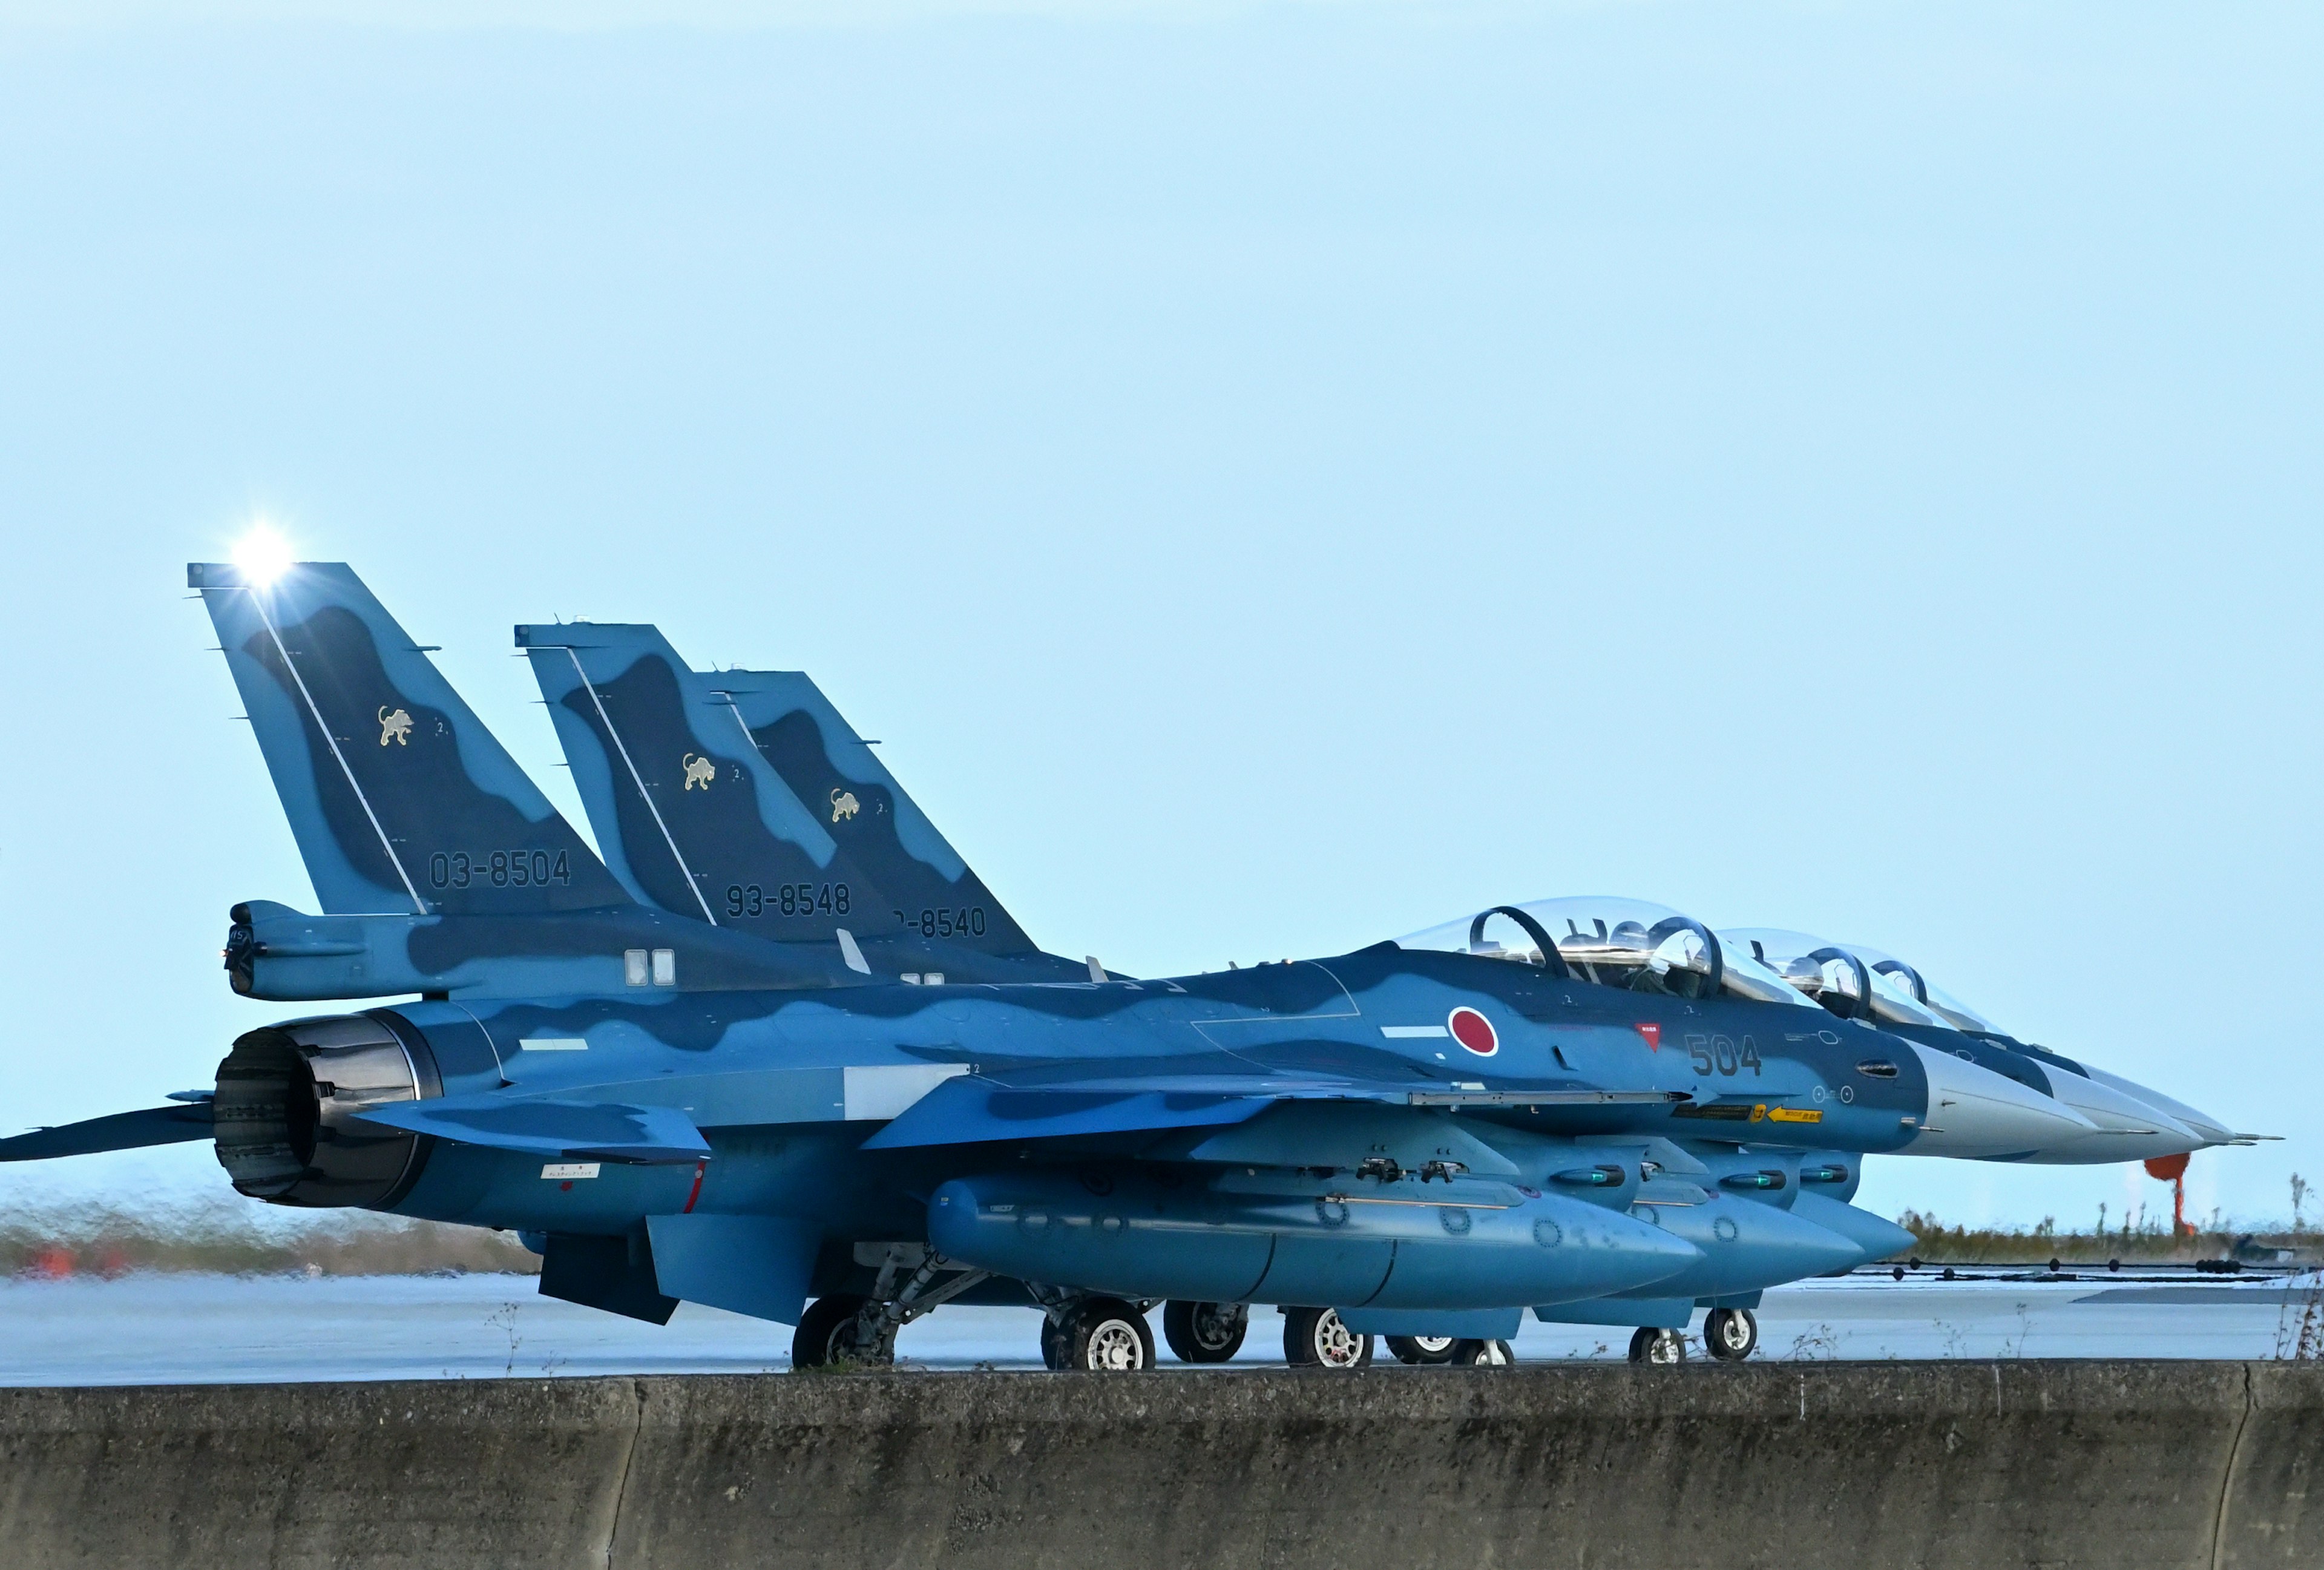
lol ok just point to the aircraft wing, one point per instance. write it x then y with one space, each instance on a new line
574 1130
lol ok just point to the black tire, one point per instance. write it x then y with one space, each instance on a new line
1651 1345
1316 1338
1487 1354
1424 1351
1108 1336
826 1333
1205 1332
1731 1334
1054 1340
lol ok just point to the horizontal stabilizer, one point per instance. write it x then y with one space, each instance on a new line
574 1130
129 1131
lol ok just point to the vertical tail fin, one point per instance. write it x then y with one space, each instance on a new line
400 799
744 797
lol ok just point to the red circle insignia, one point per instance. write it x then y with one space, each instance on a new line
1474 1031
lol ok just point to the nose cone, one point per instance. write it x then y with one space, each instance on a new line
1873 1238
1744 1246
2128 1129
1601 1252
2210 1130
1974 1112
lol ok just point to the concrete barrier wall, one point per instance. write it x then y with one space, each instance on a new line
1860 1466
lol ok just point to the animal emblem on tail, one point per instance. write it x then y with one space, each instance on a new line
699 772
843 805
395 726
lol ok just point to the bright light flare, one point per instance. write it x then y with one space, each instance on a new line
262 556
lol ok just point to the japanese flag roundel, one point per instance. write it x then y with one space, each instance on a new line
1474 1031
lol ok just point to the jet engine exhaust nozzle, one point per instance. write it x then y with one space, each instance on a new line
287 1094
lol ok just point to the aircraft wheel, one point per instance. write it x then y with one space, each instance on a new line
1653 1345
1056 1339
1205 1332
1424 1351
827 1334
1487 1354
1319 1338
1732 1335
1108 1336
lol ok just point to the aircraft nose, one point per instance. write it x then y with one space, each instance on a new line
2206 1128
1974 1112
2129 1129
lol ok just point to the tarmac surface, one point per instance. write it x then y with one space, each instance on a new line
196 1329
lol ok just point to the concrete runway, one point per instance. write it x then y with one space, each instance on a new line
191 1329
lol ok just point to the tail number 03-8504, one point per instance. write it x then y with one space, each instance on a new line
1719 1055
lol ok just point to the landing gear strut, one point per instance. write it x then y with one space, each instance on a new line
850 1328
1205 1332
1732 1335
1653 1345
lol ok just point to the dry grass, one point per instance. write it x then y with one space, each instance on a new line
233 1240
2139 1241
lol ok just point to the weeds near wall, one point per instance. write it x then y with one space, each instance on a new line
2300 1328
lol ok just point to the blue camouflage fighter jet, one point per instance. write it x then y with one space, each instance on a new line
786 1055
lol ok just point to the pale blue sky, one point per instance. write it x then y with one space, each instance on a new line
1276 475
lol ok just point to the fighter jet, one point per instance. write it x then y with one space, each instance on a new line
1416 1140
2130 1122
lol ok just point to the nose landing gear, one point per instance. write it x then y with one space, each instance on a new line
1319 1338
1655 1345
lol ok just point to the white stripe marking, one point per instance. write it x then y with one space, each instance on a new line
1412 1032
553 1044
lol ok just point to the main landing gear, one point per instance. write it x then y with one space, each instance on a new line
1098 1336
1731 1334
849 1328
1205 1332
829 1332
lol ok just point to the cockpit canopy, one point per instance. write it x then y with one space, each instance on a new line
1614 942
1851 979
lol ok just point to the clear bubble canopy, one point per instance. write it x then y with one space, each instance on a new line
1852 980
1613 941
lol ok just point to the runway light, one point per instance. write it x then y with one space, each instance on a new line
262 555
